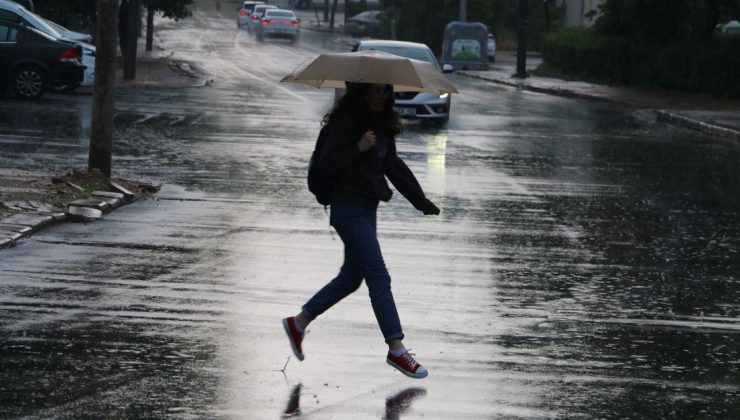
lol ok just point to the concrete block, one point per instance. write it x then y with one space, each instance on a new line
34 221
108 194
126 193
94 203
84 214
9 234
15 228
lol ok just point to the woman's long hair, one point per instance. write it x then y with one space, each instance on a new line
355 104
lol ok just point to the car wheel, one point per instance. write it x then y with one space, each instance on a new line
30 82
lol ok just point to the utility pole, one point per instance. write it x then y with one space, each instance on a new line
521 51
101 131
463 11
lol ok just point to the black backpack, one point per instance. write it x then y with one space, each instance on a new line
321 186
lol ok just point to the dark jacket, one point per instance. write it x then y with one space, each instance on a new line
358 178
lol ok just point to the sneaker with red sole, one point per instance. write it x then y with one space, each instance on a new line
406 364
295 337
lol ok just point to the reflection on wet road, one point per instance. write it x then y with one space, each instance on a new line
585 263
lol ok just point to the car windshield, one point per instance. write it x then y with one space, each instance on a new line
39 23
366 15
408 52
250 5
279 14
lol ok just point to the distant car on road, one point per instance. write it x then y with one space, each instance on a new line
32 61
254 18
245 13
279 23
366 23
731 27
491 47
422 105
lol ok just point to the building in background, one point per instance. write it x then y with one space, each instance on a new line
577 12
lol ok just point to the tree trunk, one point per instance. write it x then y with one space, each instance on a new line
712 20
149 28
521 52
333 13
101 131
131 33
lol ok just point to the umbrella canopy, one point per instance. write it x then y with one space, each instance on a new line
371 66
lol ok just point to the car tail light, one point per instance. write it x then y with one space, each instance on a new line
267 21
243 12
70 54
255 17
295 23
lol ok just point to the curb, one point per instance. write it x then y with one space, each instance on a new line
23 224
525 86
693 124
661 115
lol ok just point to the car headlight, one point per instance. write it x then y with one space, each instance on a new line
444 96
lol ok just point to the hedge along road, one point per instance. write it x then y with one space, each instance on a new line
584 264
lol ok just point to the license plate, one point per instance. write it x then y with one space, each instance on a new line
409 112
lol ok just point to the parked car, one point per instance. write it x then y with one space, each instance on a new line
731 27
254 18
88 78
88 56
279 23
422 105
245 13
14 12
69 34
32 61
366 23
491 46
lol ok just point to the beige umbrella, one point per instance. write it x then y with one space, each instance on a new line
371 66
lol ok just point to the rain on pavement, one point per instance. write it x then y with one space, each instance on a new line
585 263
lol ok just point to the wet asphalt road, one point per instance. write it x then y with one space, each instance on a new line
585 263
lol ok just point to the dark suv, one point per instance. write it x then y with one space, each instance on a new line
32 61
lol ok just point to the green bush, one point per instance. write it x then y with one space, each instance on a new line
690 66
577 52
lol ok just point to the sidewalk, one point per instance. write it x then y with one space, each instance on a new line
30 202
158 68
717 117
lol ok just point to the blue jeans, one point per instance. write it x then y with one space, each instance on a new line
356 226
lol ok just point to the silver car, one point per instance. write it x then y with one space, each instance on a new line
279 23
254 19
245 13
422 105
